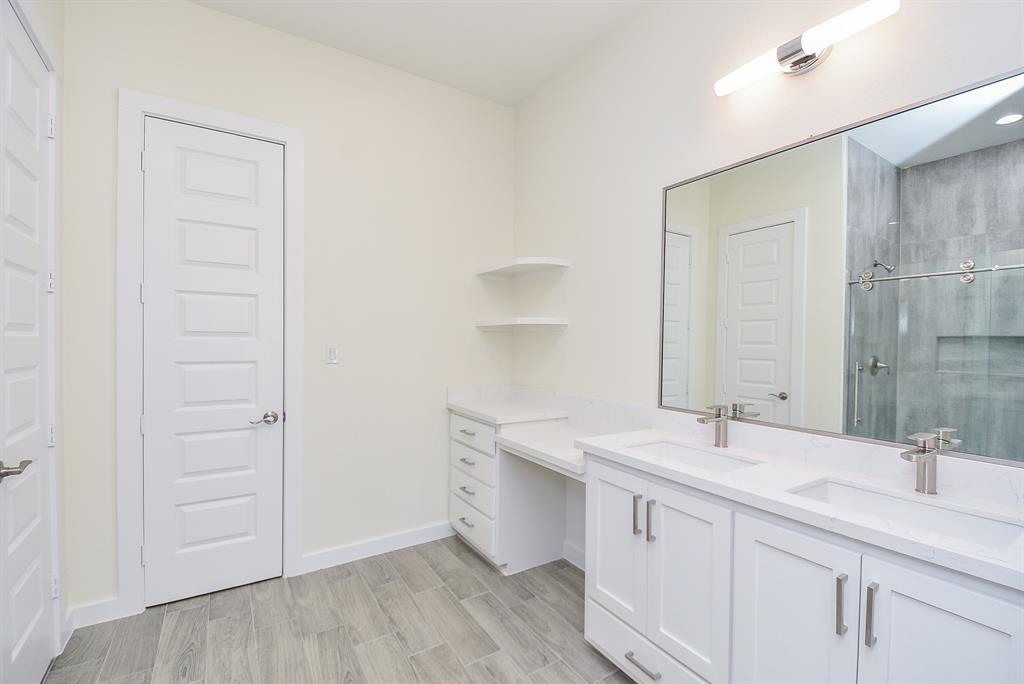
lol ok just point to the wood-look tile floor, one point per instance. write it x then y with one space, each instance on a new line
431 613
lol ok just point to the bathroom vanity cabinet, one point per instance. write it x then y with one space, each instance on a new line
684 586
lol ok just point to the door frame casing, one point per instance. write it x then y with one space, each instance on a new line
694 330
133 108
798 217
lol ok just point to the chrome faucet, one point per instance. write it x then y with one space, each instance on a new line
924 457
739 410
721 423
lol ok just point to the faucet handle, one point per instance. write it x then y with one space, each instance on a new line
739 410
925 440
719 409
945 436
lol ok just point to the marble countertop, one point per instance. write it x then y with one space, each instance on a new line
506 411
551 443
772 483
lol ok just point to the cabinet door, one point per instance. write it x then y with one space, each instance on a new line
616 550
923 629
688 568
794 615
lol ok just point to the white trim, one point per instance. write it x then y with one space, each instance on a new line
339 555
694 331
133 107
798 217
574 555
39 40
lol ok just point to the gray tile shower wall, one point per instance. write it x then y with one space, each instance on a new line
873 232
960 346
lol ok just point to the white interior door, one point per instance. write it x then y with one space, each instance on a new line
675 346
213 359
27 618
758 327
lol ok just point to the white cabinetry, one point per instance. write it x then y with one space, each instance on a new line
658 560
795 607
806 610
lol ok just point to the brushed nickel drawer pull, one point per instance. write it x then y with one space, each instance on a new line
636 513
869 616
840 590
467 461
466 522
467 490
632 658
468 433
650 525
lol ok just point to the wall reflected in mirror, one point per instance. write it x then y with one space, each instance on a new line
869 283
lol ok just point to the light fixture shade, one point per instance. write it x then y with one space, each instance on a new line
852 21
1009 119
754 70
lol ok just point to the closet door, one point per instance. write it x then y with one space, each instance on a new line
27 616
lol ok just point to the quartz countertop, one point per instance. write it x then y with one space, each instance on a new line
506 411
772 483
549 443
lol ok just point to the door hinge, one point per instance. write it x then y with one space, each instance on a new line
142 293
55 586
142 161
142 424
51 127
51 282
142 555
51 435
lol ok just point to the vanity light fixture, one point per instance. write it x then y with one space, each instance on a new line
1009 119
809 49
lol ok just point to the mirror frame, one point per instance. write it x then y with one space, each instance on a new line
806 141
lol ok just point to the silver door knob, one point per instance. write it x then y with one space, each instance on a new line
269 418
14 470
781 396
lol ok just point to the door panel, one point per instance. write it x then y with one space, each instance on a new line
616 555
785 624
675 364
688 566
214 235
27 617
759 321
928 630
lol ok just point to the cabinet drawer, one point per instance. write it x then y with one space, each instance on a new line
476 435
471 524
473 462
472 491
616 639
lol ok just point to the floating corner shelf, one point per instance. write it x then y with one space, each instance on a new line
524 266
522 323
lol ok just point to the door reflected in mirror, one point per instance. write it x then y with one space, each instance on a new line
868 283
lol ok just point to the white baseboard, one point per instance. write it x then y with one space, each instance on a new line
327 558
101 611
574 554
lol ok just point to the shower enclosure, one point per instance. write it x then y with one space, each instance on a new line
938 341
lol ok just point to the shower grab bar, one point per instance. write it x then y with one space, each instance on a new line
912 276
858 369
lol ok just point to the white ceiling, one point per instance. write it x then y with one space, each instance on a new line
498 49
949 127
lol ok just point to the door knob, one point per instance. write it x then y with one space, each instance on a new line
269 418
14 470
781 396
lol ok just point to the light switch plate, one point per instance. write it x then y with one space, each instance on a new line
331 356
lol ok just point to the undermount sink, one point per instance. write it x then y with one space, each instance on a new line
719 463
922 515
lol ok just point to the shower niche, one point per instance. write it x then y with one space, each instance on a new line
870 282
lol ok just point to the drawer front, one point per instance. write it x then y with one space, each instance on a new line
471 524
473 462
473 492
645 662
477 435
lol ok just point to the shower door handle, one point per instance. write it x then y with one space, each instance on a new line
858 369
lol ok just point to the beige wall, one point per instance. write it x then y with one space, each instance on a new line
408 187
596 145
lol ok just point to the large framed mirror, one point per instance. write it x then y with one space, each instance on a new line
869 282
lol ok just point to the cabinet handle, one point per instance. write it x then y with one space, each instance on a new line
650 525
840 588
468 491
468 433
636 513
466 522
467 461
869 616
632 658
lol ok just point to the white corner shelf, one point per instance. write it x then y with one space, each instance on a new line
522 323
524 266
